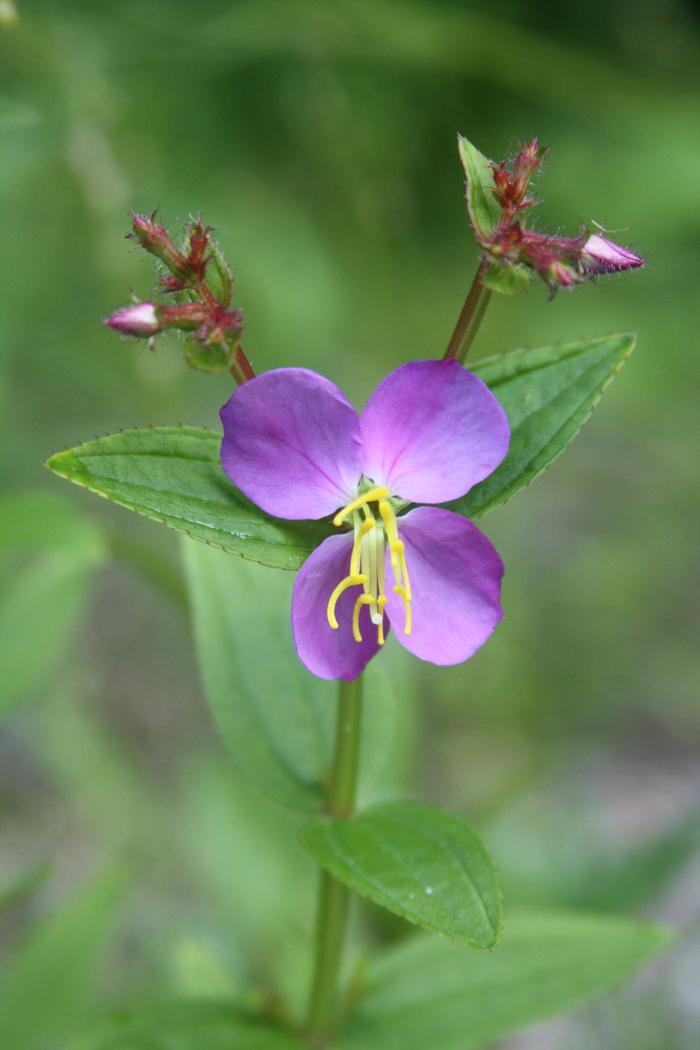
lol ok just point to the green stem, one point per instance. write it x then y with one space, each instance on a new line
470 318
334 896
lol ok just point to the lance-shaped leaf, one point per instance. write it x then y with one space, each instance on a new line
275 717
484 209
174 475
548 394
426 866
49 554
193 1025
427 993
48 983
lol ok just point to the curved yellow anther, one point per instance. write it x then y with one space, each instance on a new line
400 590
363 599
389 519
378 493
398 549
353 580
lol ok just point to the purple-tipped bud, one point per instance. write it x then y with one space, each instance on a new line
602 256
139 320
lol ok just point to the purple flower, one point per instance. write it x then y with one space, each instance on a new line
602 256
430 431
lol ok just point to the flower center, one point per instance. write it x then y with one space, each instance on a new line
367 561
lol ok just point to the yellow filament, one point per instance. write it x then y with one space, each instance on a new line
399 549
363 599
350 581
381 602
364 528
378 493
398 589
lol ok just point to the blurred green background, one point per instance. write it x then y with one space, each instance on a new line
320 140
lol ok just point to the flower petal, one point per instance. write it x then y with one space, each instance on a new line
455 576
330 653
431 430
292 443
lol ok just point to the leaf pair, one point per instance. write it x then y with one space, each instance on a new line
173 474
427 993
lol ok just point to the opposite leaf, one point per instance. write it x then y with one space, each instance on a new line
173 475
193 1025
484 209
276 719
548 394
426 866
49 555
427 993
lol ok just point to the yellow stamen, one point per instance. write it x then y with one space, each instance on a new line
398 589
363 599
381 602
353 580
377 493
363 529
398 549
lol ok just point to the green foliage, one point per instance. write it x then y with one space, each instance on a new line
276 718
426 866
191 1026
48 984
174 475
506 280
548 394
427 993
484 209
48 553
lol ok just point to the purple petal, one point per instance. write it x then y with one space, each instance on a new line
431 430
455 576
330 653
292 443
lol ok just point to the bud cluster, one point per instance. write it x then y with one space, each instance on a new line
198 278
560 261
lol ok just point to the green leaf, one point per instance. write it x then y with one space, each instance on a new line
427 993
548 394
193 1025
426 866
484 209
48 982
506 280
173 475
276 718
49 553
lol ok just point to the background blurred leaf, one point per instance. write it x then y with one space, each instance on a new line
427 993
548 395
48 552
48 984
276 718
191 1026
424 865
173 475
24 886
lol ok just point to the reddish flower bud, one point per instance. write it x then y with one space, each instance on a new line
599 255
139 320
154 239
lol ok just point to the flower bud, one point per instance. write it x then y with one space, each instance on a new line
154 239
602 256
139 320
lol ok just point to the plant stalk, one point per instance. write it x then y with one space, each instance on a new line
470 318
334 896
